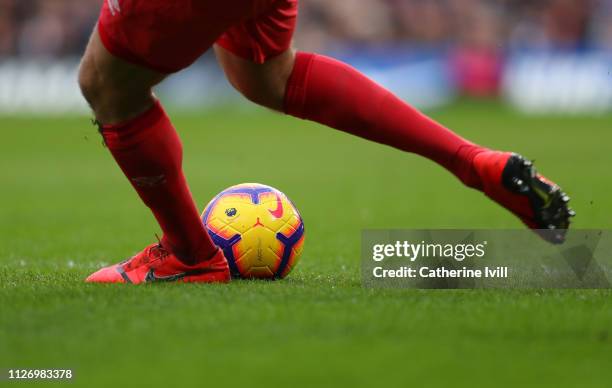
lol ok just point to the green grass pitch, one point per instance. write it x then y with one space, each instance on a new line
66 208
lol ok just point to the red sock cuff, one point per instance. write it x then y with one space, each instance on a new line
295 93
131 132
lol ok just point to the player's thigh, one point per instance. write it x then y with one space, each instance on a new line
116 89
104 70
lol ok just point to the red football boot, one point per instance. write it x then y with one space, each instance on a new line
513 182
156 264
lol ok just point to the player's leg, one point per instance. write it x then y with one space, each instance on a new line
146 146
332 93
116 90
324 90
327 91
263 84
258 60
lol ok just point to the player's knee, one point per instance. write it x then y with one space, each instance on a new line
96 85
112 98
89 83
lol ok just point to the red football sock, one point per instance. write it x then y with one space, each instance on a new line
150 154
330 92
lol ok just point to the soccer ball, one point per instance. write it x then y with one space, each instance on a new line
259 230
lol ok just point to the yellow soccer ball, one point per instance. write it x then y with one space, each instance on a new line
259 230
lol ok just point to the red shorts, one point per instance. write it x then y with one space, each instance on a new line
169 35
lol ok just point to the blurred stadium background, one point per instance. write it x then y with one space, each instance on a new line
540 56
481 65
